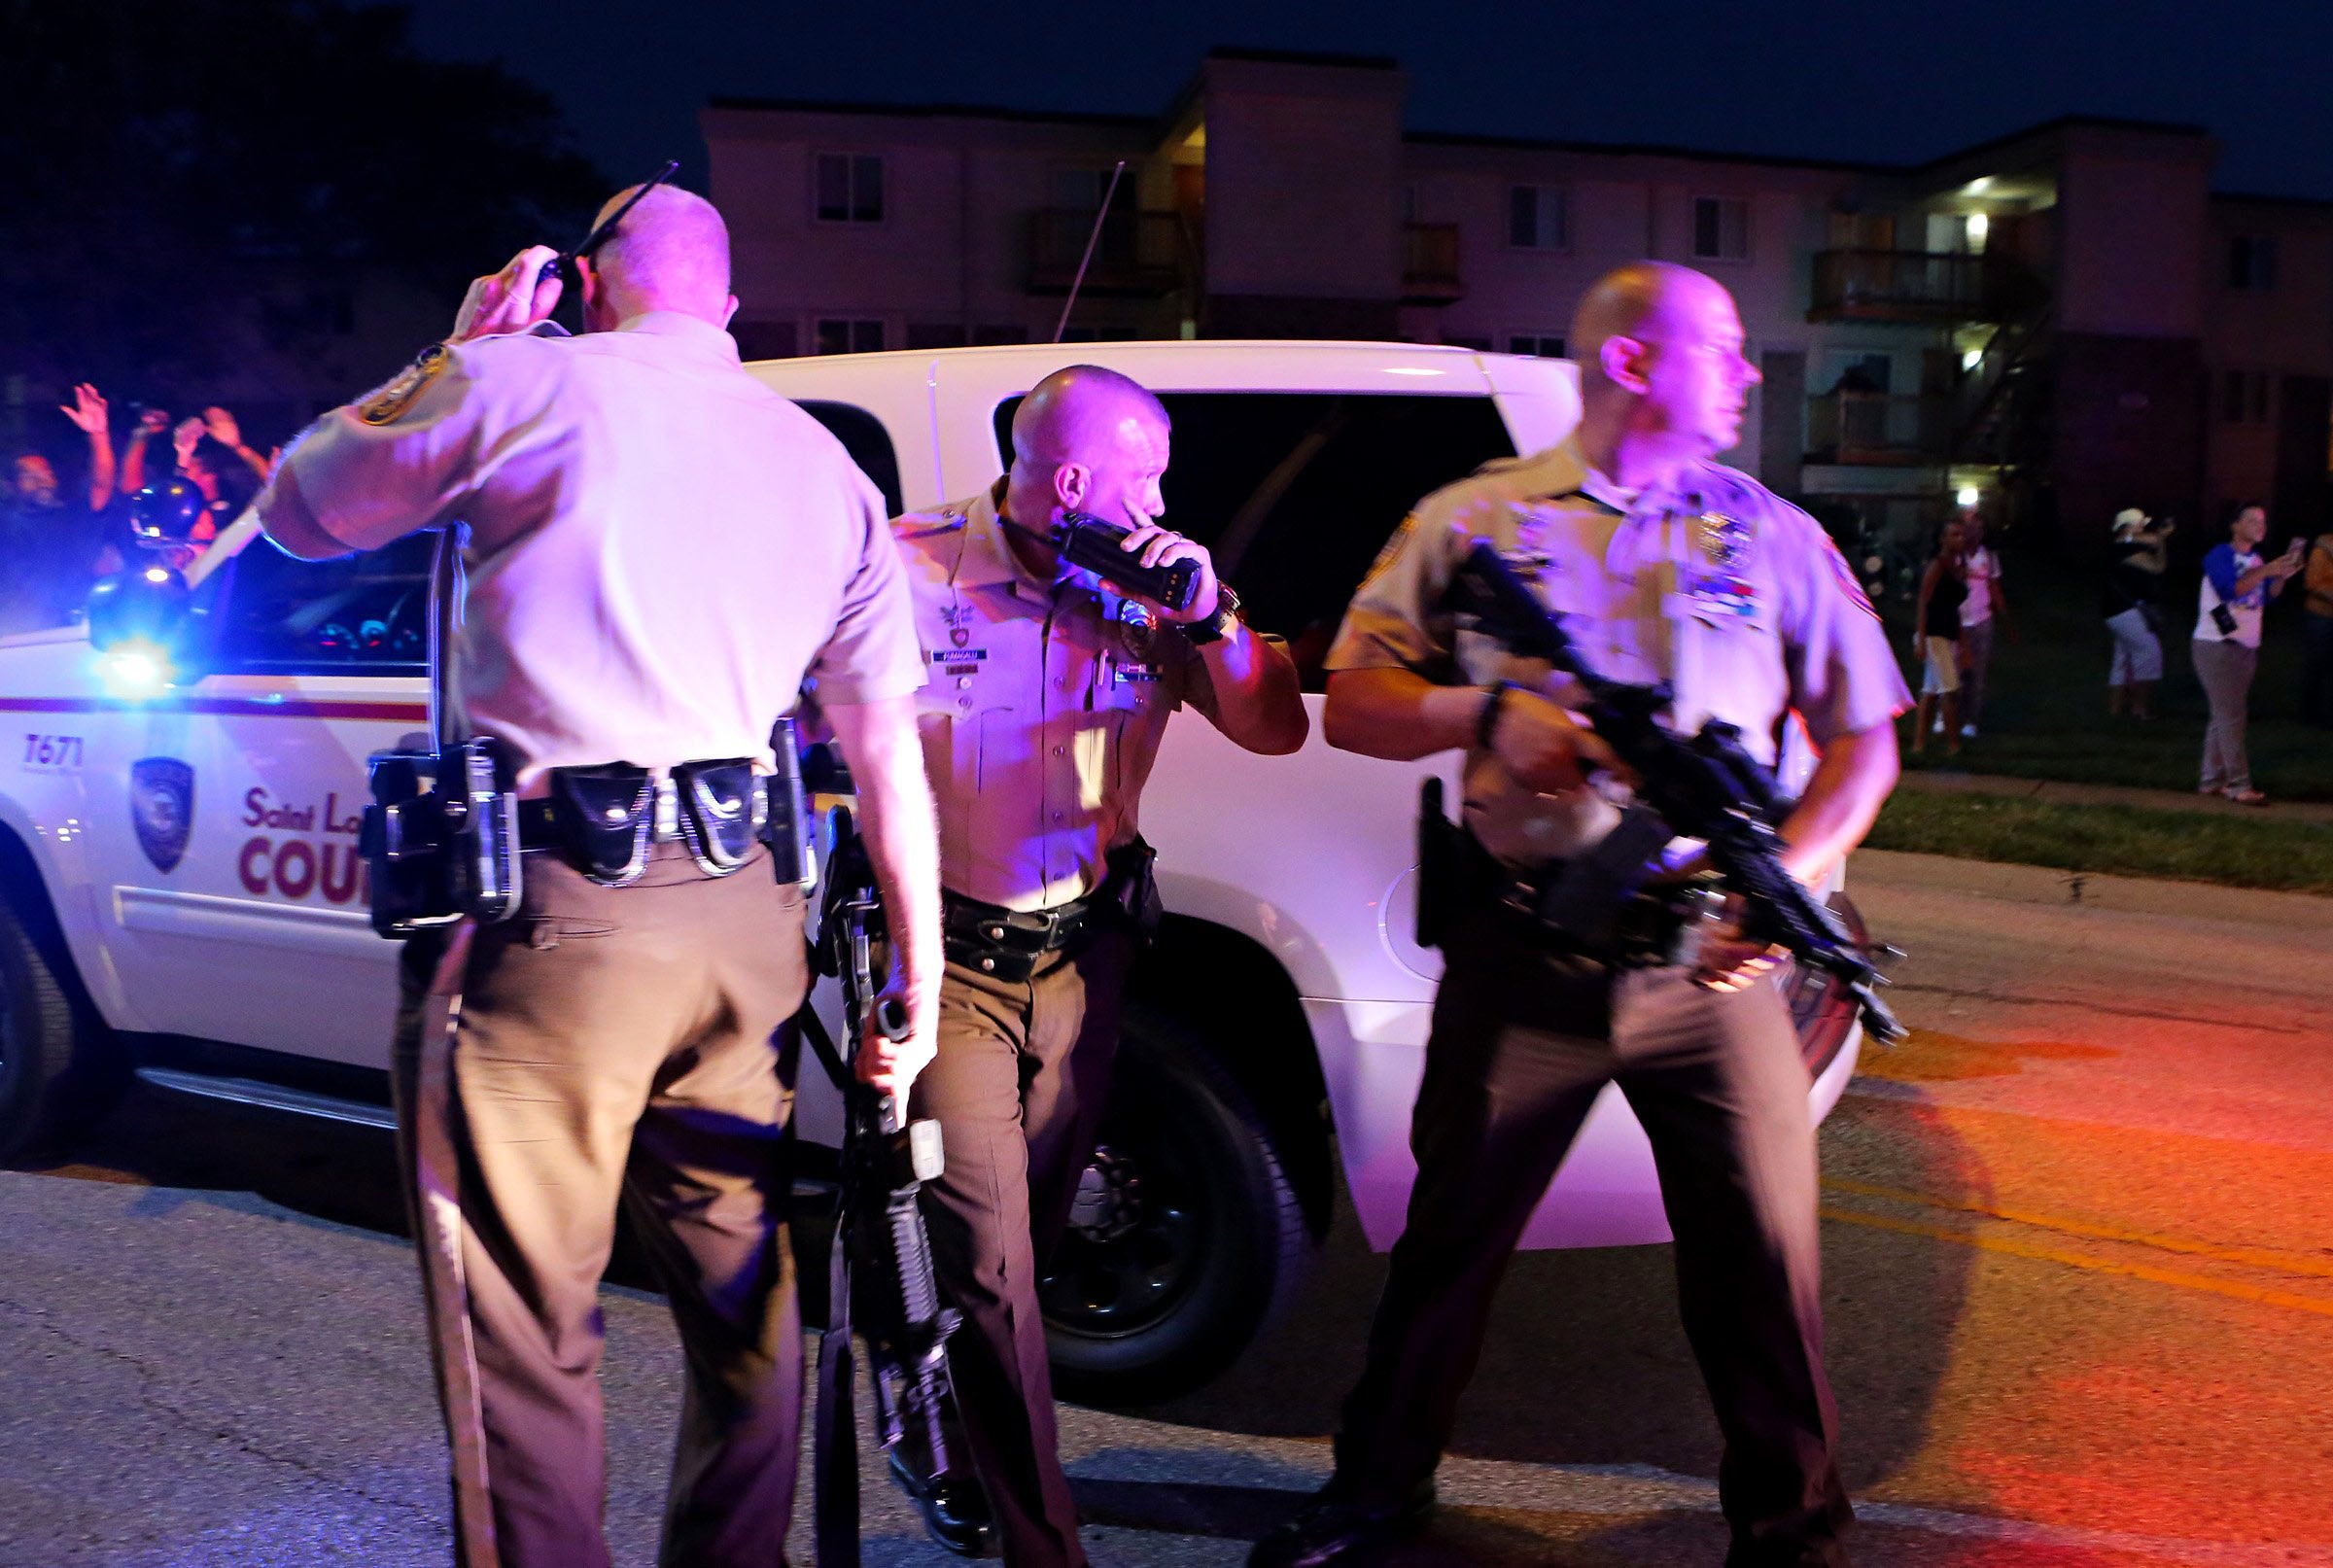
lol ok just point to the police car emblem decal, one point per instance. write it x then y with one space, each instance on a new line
162 807
385 406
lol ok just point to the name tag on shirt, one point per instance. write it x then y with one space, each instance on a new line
957 655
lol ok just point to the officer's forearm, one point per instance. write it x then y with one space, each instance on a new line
1397 714
1840 803
896 821
1257 702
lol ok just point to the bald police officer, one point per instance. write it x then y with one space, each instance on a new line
1049 695
1665 566
662 551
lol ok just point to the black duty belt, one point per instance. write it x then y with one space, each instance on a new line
603 820
1640 929
1009 943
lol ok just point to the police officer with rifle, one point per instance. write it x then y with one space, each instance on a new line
1617 753
659 552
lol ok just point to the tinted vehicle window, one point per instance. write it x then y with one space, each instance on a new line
1295 493
287 616
866 440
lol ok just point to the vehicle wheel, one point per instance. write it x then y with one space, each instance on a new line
51 1082
1187 1236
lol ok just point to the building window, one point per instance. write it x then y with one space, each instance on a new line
850 188
1537 218
1080 189
836 335
1721 228
2252 262
2243 398
1545 345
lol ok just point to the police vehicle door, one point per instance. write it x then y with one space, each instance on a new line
242 894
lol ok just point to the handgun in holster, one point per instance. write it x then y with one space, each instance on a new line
440 835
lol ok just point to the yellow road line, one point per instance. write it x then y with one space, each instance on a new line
2250 1257
2073 1260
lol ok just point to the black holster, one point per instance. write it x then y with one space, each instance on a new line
440 837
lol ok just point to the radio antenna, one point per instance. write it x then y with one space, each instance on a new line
1087 260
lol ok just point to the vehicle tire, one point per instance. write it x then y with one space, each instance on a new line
1188 1236
54 1079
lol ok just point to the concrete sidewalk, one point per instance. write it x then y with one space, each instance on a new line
1946 782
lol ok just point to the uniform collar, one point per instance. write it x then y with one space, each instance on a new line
1564 470
694 332
987 560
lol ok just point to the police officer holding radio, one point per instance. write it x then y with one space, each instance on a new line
661 552
1663 566
1051 687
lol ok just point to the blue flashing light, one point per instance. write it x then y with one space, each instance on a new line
135 669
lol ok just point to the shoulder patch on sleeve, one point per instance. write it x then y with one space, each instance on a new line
389 403
1844 575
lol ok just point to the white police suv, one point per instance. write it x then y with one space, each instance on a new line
181 894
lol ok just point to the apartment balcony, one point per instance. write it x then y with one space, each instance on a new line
1877 430
1429 264
1904 285
1138 254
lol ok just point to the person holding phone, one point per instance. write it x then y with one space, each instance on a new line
2236 589
1051 687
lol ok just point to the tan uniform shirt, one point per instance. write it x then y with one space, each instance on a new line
1735 597
661 550
1043 713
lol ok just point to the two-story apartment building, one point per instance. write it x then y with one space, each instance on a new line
2063 321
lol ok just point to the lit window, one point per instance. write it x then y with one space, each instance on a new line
1721 228
1537 218
850 188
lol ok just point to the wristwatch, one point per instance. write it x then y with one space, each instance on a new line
1217 626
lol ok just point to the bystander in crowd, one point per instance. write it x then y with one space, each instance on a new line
2131 601
55 541
1937 637
1982 613
2232 599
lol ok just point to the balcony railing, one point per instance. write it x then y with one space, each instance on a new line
1136 254
1902 285
1430 273
1875 428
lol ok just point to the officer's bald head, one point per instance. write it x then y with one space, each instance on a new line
1659 350
1645 302
1088 440
1077 410
670 253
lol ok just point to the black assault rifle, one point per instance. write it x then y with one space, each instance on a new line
881 1261
1704 786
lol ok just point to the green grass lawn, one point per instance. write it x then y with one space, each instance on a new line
2046 714
2238 851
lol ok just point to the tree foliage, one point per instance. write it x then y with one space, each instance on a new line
172 164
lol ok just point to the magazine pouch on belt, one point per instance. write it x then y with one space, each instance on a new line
724 812
607 819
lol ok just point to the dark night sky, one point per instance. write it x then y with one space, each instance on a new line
1883 81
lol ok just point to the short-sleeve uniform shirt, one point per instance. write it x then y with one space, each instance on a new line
1713 584
662 549
1043 712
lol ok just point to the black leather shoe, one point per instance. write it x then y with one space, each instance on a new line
956 1510
1337 1528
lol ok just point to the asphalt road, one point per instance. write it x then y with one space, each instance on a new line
2081 1296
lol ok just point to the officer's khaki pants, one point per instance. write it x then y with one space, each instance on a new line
1522 1041
1018 1089
610 1045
